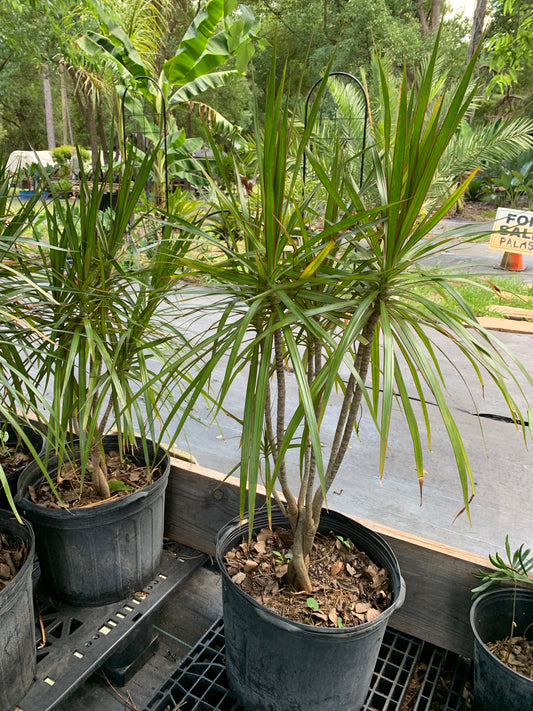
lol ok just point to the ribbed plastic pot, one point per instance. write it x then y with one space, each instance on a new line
497 686
38 442
274 664
17 626
101 554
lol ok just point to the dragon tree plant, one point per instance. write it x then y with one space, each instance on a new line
106 360
318 286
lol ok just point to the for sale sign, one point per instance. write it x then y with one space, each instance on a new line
513 231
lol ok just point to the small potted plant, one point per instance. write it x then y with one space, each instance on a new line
502 623
17 626
96 497
319 289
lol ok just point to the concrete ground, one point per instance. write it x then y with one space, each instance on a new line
502 465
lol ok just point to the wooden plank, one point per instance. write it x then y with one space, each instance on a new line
505 324
438 577
513 312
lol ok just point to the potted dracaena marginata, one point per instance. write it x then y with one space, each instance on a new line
105 366
318 291
502 623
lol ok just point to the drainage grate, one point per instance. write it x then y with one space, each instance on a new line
80 639
407 676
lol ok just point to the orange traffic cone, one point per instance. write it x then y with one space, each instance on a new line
512 262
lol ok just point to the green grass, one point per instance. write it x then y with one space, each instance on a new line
501 291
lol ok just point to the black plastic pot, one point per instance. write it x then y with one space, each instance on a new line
101 554
274 664
497 686
17 626
38 442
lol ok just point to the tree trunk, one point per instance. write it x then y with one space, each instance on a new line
424 26
477 26
65 113
429 21
101 132
99 472
48 107
93 134
434 15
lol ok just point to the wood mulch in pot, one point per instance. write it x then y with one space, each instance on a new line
14 457
13 552
348 588
124 477
515 652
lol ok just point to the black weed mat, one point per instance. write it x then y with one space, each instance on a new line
410 675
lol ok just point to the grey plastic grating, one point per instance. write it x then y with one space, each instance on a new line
397 660
199 683
459 671
428 686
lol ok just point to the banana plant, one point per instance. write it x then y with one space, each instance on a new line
219 32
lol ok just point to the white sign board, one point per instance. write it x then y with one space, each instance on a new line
513 231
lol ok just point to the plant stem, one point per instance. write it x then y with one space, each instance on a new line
350 407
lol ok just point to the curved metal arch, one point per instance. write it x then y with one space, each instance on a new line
164 126
365 127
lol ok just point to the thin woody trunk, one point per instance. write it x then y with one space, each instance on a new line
65 113
310 502
477 27
99 471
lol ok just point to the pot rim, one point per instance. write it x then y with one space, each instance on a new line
33 469
238 523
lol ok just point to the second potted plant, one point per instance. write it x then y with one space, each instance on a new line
319 290
96 499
